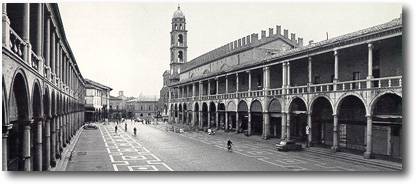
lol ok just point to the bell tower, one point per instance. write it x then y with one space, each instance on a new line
178 43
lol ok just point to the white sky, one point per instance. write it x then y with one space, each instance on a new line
126 45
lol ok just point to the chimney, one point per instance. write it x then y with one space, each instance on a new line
286 33
270 32
263 34
310 42
244 40
279 30
120 93
248 39
300 41
239 43
235 44
293 36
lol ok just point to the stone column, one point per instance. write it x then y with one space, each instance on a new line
370 65
288 74
209 116
335 69
369 147
288 126
47 142
226 84
335 134
236 84
226 121
266 127
217 86
284 75
200 119
39 20
209 88
53 141
310 127
237 121
217 119
25 32
6 34
60 130
38 146
193 90
249 122
249 80
47 45
5 135
53 53
284 121
310 70
26 145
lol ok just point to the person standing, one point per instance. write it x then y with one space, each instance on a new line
115 129
125 127
307 131
135 131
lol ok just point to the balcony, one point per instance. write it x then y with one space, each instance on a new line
356 85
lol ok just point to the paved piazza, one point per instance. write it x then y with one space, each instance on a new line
155 149
127 154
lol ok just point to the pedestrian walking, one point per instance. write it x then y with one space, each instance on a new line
125 127
115 129
135 131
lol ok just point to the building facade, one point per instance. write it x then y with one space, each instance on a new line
144 109
347 89
118 106
97 101
42 87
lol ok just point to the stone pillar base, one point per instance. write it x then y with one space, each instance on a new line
368 155
334 149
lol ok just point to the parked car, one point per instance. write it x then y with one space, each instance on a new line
138 120
90 126
287 145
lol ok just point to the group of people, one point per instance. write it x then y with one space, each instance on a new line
125 129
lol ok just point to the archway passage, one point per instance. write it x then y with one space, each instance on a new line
18 116
298 120
232 116
322 122
256 111
275 113
212 112
242 113
387 126
197 118
176 113
180 113
185 115
204 115
352 125
221 116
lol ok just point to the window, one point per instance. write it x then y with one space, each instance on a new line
180 39
180 56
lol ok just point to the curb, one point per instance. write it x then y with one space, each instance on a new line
67 153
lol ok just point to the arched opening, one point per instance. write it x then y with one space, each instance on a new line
180 113
387 126
185 114
52 130
232 116
196 110
256 111
242 113
165 109
18 116
176 112
221 116
204 115
212 112
298 120
35 130
322 122
352 124
275 112
180 39
180 56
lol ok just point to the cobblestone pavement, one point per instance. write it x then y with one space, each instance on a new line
155 149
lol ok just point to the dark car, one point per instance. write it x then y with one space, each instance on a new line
288 145
90 126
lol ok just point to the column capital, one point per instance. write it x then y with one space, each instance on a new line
309 58
368 116
6 128
370 45
266 68
335 115
335 52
